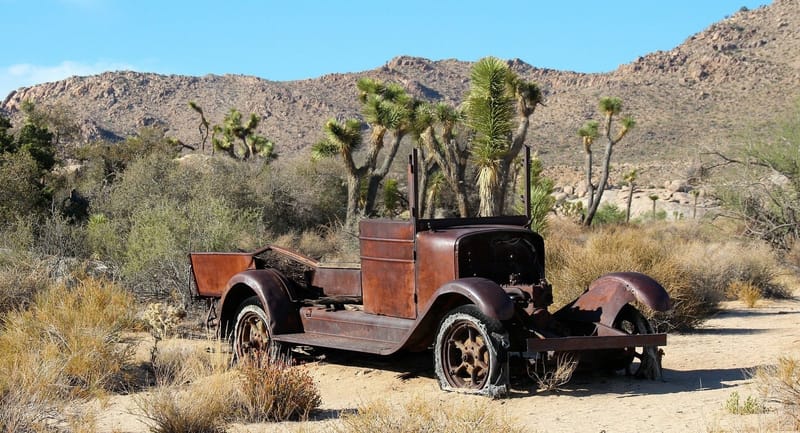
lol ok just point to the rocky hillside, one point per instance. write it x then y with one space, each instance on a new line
736 74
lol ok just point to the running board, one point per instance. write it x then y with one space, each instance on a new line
338 342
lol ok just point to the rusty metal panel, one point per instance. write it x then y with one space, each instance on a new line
338 281
387 267
436 262
213 270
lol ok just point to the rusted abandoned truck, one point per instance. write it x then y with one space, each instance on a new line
474 290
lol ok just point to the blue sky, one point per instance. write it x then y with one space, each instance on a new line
48 40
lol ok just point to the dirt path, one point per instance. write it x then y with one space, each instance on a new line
701 370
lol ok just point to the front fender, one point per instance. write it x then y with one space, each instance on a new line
272 290
485 294
608 294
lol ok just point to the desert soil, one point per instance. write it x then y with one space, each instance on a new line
701 371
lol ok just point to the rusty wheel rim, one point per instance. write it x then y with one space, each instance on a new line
467 358
252 336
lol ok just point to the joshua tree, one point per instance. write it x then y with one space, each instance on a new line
231 131
204 127
609 107
654 198
497 98
344 139
435 126
386 108
630 179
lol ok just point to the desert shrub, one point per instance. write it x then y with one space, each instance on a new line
22 194
23 412
22 276
199 408
155 259
717 264
695 267
422 415
780 383
176 363
551 379
69 342
162 319
55 235
271 389
608 213
745 292
748 406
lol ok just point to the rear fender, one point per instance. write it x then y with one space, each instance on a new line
272 290
608 294
485 294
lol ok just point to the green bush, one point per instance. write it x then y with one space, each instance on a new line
22 194
608 213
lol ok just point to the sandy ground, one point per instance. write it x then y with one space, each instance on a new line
701 370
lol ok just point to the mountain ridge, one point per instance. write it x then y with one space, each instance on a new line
737 73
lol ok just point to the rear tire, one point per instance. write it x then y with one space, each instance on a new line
252 336
469 352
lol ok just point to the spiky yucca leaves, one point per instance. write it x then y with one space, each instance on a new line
609 107
490 110
232 130
343 139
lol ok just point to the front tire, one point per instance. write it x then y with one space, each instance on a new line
642 362
252 336
469 351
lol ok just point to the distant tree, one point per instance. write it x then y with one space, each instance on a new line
610 108
497 98
232 131
343 139
32 138
7 142
204 127
57 118
766 196
387 109
630 179
435 130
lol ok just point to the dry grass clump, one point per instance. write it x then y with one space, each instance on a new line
205 393
273 390
745 292
203 407
24 412
555 378
331 244
696 268
175 362
422 415
780 383
21 278
69 342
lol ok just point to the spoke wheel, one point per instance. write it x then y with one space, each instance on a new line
252 336
466 354
642 362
